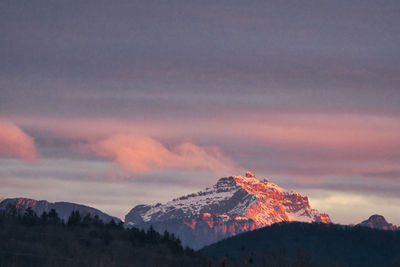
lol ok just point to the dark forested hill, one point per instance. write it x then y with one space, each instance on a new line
313 243
29 240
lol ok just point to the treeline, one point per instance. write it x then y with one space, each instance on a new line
46 240
27 239
30 240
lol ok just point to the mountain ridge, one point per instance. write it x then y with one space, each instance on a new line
63 209
233 205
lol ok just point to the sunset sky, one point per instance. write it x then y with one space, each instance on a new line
117 103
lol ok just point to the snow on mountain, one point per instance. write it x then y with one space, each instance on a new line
234 204
63 209
378 222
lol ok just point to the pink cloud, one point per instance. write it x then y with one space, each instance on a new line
14 143
331 137
142 154
295 143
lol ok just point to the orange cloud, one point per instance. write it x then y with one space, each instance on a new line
329 136
141 154
14 143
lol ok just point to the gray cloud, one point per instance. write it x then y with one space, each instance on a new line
188 67
313 55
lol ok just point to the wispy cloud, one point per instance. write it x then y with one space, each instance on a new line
302 144
143 154
14 143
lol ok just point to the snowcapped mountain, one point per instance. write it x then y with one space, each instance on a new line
378 222
233 205
63 209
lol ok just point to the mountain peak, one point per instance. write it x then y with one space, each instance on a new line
377 218
252 185
377 221
233 205
249 174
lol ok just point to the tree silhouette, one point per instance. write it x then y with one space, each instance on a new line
74 219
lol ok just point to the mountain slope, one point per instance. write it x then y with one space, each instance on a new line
63 209
233 205
378 222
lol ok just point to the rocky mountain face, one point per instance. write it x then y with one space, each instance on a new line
378 222
233 205
63 209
